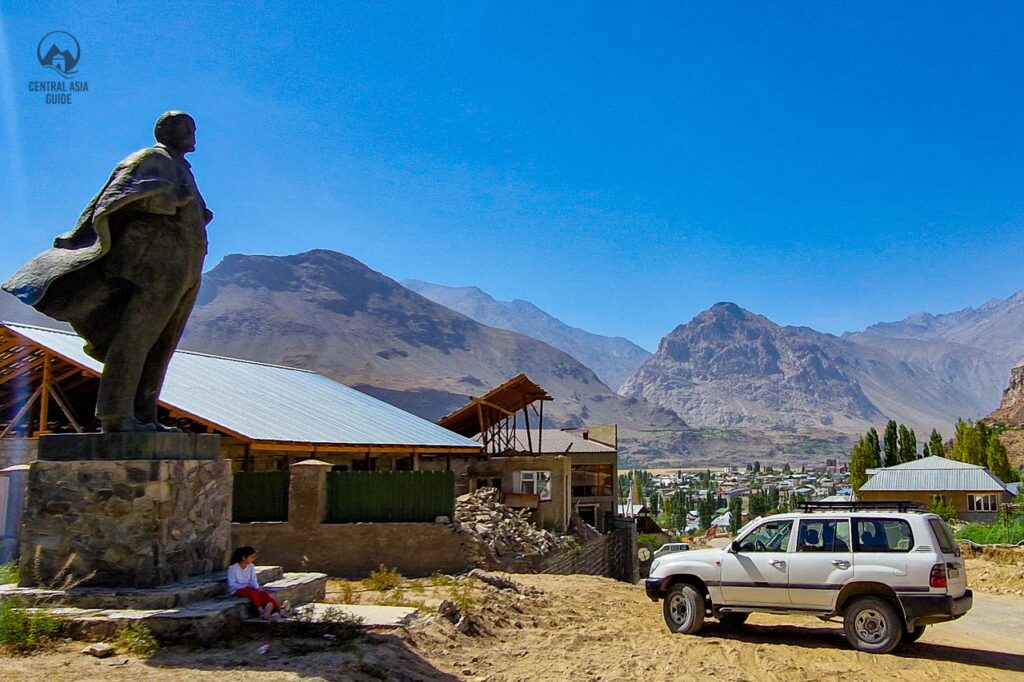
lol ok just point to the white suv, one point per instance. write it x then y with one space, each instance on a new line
887 574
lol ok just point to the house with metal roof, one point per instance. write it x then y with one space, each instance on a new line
268 416
973 490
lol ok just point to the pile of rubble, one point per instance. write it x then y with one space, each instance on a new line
499 537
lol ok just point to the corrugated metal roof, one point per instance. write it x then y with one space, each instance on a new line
556 441
269 402
934 474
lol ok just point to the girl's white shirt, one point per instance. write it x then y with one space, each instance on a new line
239 577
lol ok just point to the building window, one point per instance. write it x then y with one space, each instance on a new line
533 483
592 480
981 503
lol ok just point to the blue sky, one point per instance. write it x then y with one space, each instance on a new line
829 165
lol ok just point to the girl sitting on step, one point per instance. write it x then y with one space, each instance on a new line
242 582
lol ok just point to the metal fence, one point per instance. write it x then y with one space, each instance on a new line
390 496
260 496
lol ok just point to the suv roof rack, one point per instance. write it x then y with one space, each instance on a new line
896 506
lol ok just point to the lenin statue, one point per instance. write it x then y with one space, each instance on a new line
126 277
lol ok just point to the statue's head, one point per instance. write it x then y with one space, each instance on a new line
176 130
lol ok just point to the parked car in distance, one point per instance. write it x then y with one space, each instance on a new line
671 548
885 574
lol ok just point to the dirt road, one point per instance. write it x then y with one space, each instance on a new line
581 629
601 630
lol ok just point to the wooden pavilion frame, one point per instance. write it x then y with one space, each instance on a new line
495 416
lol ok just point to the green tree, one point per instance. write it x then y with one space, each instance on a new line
892 456
706 510
679 510
936 447
907 445
998 461
757 505
654 505
970 443
876 447
735 514
944 510
861 457
924 451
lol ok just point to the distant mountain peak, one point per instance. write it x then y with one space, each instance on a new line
729 367
612 358
728 307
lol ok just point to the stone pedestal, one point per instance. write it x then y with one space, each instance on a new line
156 512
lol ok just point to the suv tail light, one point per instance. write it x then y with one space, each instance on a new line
937 578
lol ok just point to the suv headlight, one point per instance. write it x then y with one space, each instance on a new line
654 566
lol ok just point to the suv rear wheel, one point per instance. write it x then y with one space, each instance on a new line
873 625
684 609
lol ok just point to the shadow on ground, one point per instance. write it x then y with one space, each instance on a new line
373 657
833 638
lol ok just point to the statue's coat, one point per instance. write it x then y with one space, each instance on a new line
54 281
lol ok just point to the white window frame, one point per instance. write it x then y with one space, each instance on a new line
533 483
986 502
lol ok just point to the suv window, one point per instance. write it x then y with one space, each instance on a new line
772 536
947 543
882 535
824 535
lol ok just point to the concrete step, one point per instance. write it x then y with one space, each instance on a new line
206 620
368 616
187 591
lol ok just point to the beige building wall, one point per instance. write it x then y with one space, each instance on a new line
956 498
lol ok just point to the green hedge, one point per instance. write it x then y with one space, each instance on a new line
994 534
390 496
260 496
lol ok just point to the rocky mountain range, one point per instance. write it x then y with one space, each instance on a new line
729 367
328 312
613 359
726 387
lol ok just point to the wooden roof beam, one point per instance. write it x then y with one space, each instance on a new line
25 369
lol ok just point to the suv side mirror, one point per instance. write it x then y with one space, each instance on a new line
734 547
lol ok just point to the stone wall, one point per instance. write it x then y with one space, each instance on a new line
136 523
353 550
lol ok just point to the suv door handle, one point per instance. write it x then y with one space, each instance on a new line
840 563
777 563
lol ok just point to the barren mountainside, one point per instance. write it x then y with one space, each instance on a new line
613 359
731 368
328 312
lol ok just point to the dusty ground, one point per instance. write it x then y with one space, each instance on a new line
995 578
577 628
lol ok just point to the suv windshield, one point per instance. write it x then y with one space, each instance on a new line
769 537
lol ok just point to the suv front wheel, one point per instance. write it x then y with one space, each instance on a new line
873 625
684 609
